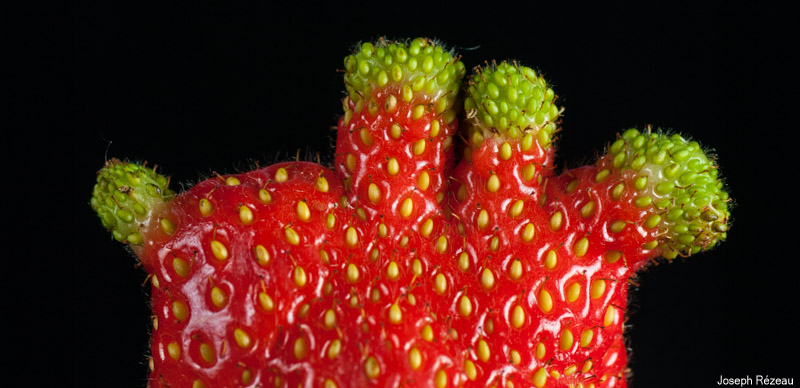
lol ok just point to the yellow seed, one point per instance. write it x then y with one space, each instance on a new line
232 181
417 112
300 278
262 255
528 232
528 172
570 370
291 236
464 306
266 301
374 254
588 209
540 377
493 184
414 358
610 316
515 271
598 288
587 366
416 267
426 228
406 208
392 166
483 350
351 237
374 193
572 186
540 351
419 147
516 358
167 226
556 221
218 297
303 311
586 337
581 247
613 256
395 131
461 193
180 310
483 219
619 189
602 175
573 292
245 215
366 137
470 370
330 384
322 184
372 368
494 244
427 333
392 271
383 230
281 175
330 319
489 326
242 338
439 197
412 300
395 314
566 340
650 245
334 349
207 353
487 279
551 259
353 273
174 350
206 208
219 250
300 348
505 151
545 301
435 126
423 181
181 267
155 322
440 284
617 226
463 261
441 379
516 208
518 317
154 281
151 364
350 162
441 244
264 196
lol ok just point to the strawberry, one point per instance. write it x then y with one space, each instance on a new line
399 266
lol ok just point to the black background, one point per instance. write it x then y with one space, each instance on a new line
198 89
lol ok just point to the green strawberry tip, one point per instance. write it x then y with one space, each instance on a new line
125 195
676 177
511 100
419 71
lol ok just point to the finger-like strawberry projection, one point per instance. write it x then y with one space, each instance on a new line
428 255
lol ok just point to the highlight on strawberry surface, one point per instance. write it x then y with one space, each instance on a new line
417 259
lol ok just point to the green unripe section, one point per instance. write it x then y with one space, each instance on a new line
676 179
512 100
124 196
419 69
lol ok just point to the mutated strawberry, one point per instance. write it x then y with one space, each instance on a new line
399 267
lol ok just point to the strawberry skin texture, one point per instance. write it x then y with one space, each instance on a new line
401 267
